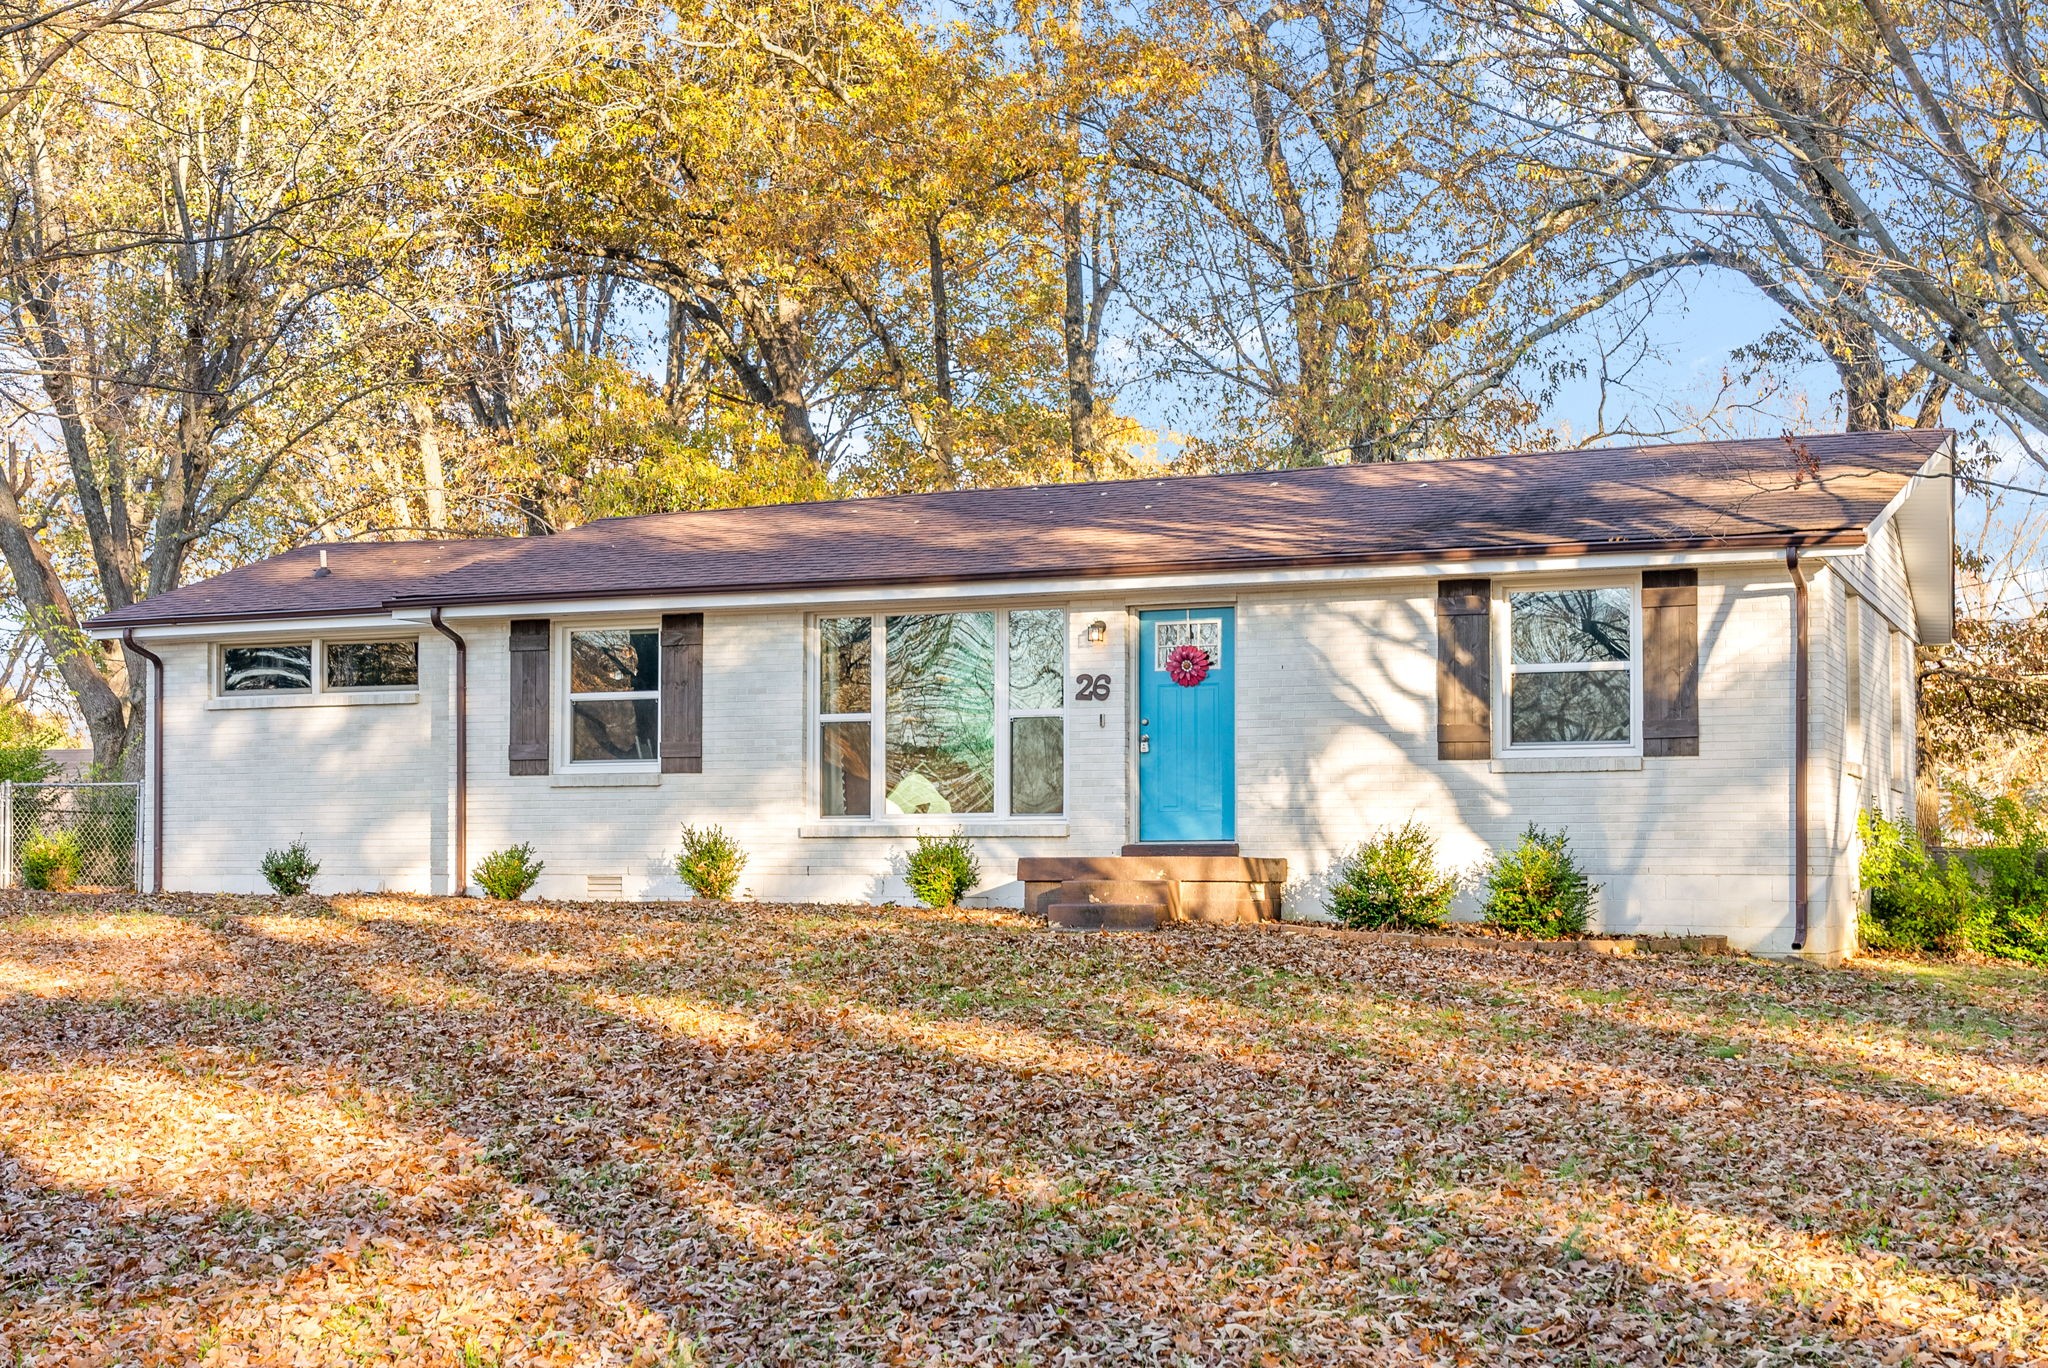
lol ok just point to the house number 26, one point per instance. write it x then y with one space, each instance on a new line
1091 688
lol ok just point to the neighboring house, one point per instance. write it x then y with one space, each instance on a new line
1604 641
72 763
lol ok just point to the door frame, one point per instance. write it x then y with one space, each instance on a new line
1134 663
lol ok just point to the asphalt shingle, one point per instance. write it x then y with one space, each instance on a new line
1811 491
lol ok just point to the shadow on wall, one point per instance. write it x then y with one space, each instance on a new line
353 782
1365 759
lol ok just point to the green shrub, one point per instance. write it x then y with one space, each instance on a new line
1918 901
1392 882
25 742
507 874
50 860
942 869
2010 871
710 862
290 871
1992 900
1538 889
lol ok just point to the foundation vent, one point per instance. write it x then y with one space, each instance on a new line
604 887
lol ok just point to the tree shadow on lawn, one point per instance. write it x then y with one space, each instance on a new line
794 1158
156 1213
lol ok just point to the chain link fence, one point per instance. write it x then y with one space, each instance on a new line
102 818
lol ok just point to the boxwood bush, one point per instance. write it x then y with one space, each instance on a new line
710 862
507 874
942 870
1392 882
1537 888
290 871
50 860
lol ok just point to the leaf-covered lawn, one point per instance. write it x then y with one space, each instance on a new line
415 1131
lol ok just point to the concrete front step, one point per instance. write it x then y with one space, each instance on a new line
1190 868
1104 916
1213 889
1163 894
1142 848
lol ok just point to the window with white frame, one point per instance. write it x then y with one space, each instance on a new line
1570 676
969 716
371 664
288 667
273 667
614 695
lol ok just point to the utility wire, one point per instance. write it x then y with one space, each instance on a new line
1988 484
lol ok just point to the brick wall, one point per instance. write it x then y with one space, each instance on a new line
356 781
1336 736
368 786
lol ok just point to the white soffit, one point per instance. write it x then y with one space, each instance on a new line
1926 514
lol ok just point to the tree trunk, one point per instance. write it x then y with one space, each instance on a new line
432 475
99 682
1081 437
942 360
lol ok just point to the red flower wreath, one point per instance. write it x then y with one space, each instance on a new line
1187 665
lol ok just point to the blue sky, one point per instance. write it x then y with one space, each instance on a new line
1690 335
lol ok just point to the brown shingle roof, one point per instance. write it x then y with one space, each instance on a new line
1694 495
362 578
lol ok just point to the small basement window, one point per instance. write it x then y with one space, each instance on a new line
614 695
1570 677
284 667
373 664
287 667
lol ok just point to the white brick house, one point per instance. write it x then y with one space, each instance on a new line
1603 641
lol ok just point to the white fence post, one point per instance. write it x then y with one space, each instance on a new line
141 835
7 833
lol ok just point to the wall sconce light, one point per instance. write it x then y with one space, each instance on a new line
1098 632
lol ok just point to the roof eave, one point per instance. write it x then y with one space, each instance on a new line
1832 539
107 628
1925 511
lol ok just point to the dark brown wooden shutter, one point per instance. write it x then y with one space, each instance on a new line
1464 670
530 696
682 693
1671 662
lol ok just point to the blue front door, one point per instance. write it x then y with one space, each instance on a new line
1187 734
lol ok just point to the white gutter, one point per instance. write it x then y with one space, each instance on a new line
1094 587
248 628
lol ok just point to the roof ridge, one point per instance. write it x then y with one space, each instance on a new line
1584 500
1411 463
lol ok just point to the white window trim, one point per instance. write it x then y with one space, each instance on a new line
879 818
1505 669
564 730
320 693
1853 722
1160 627
1899 675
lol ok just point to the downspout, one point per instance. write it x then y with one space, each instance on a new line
153 722
1802 891
461 751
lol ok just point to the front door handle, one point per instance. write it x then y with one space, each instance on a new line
1144 744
